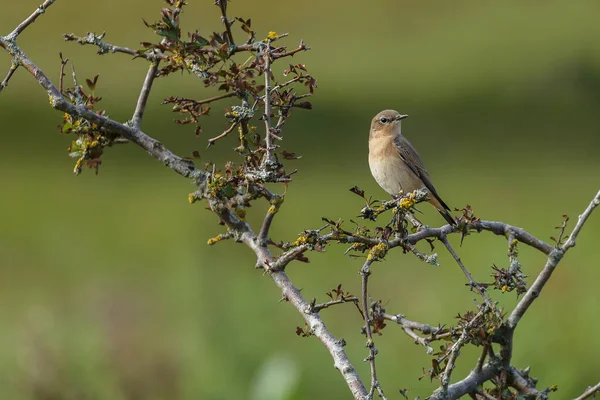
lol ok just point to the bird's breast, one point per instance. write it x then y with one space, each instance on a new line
388 168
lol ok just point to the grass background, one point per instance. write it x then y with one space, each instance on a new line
109 291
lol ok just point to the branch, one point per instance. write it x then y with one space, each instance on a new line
364 273
267 117
472 283
589 392
580 221
226 132
322 306
223 6
293 295
104 48
182 166
455 350
144 93
11 71
409 328
29 20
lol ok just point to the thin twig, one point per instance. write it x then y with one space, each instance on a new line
473 284
222 135
409 327
322 306
223 6
580 221
30 20
455 350
589 392
482 357
63 64
267 117
144 94
364 273
11 71
301 47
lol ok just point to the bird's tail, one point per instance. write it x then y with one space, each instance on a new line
443 209
447 217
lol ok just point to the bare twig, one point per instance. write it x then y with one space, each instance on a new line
364 273
293 296
61 77
144 93
267 116
322 306
104 47
223 6
301 47
580 221
409 327
30 20
472 283
589 392
205 101
222 135
11 71
455 350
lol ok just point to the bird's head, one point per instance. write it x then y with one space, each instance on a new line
386 123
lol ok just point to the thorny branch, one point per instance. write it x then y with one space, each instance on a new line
589 392
228 193
364 273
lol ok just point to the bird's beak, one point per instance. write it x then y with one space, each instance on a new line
399 117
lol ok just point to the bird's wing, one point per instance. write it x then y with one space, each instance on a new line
411 158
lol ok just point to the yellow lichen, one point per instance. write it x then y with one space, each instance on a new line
377 252
276 202
407 202
505 289
214 240
301 240
240 212
192 198
272 35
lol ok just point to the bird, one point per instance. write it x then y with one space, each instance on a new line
396 165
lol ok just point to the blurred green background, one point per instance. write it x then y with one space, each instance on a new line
109 291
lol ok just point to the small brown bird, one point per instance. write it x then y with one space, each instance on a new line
394 162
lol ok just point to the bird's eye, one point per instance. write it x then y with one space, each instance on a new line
384 120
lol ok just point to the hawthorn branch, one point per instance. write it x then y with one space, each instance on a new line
581 221
61 76
11 71
343 300
589 392
223 6
104 47
267 116
365 271
30 20
291 294
472 283
144 94
180 165
455 350
409 327
226 132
